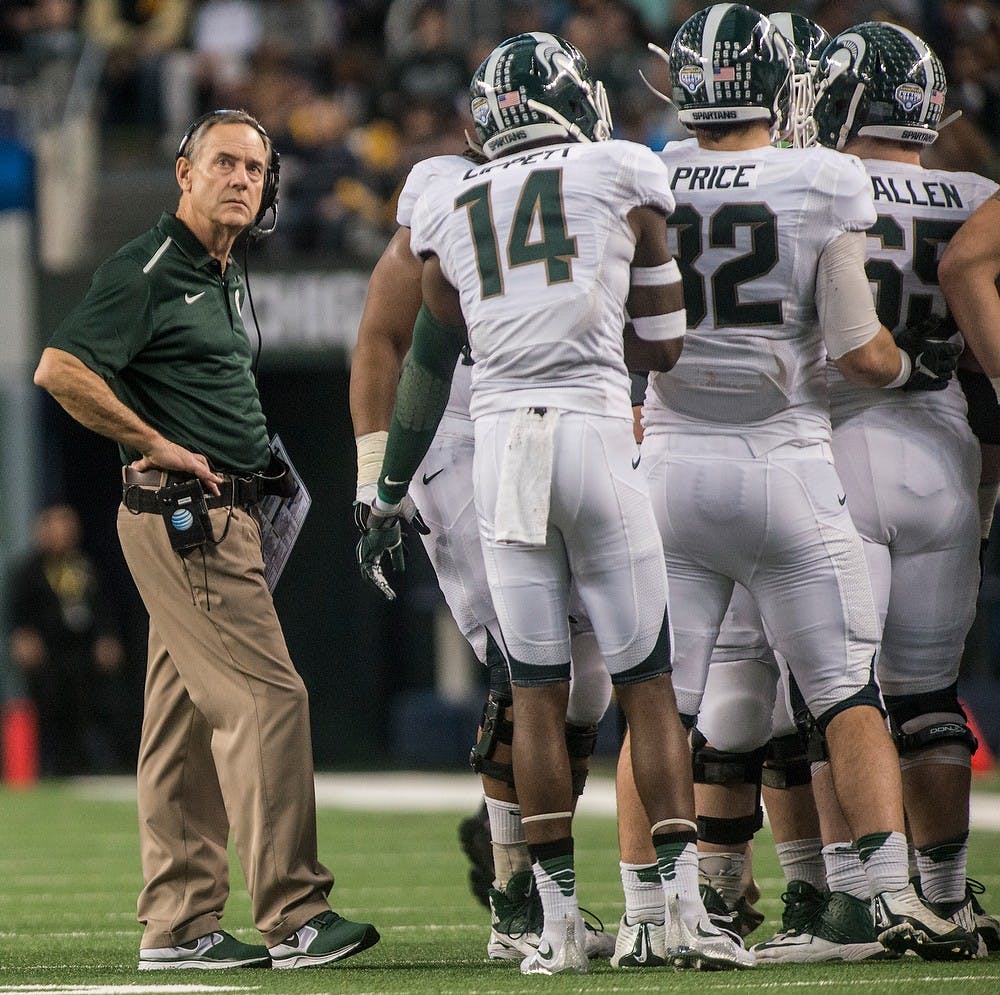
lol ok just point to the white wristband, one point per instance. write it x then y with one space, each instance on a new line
996 386
371 451
655 276
904 373
660 327
384 508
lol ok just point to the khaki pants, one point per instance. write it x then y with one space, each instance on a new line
225 739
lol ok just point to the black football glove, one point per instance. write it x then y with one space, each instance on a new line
381 535
932 353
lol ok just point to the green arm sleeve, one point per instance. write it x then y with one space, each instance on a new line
421 398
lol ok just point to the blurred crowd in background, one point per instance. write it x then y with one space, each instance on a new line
354 92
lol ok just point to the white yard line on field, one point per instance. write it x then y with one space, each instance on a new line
416 791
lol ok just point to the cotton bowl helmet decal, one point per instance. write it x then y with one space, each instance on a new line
882 81
536 86
729 64
807 40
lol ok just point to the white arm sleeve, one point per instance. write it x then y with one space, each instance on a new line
844 301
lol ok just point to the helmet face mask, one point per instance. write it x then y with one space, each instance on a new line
807 41
879 80
536 87
729 65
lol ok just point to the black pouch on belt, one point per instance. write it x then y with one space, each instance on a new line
185 514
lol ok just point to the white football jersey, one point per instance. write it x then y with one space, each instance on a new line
542 268
420 176
748 231
919 210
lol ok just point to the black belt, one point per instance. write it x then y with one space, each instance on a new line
141 490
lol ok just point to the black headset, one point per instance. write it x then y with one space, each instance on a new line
269 191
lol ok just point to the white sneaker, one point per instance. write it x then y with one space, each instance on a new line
640 944
702 946
903 923
566 953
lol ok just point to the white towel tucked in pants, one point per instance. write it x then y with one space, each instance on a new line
522 509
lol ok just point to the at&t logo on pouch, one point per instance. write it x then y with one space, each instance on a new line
691 77
182 519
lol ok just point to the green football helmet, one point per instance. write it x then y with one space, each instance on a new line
807 40
536 86
882 81
729 64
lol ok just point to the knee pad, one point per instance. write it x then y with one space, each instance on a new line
931 728
495 726
787 762
580 744
712 766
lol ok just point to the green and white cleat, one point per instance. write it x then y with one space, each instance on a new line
840 930
640 944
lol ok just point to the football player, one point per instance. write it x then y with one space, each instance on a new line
450 533
737 435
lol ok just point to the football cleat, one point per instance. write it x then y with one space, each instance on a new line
515 918
640 944
740 921
987 926
903 922
560 950
702 946
802 902
840 929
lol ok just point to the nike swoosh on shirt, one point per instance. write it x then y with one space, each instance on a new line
428 477
191 298
635 462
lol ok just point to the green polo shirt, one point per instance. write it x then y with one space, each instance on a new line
161 324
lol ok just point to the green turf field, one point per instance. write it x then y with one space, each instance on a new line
69 877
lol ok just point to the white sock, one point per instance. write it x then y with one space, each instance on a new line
557 889
802 860
510 850
505 821
683 883
643 893
942 871
844 871
884 858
